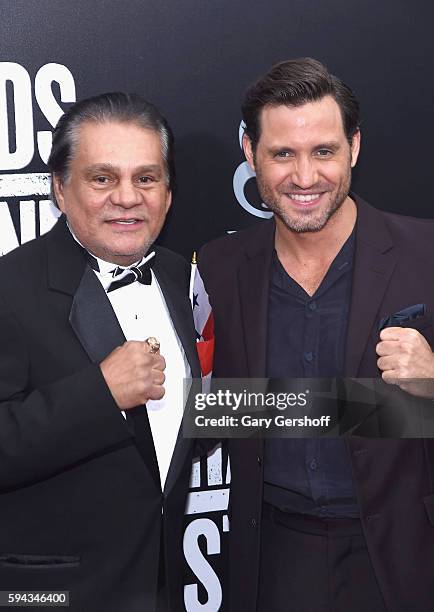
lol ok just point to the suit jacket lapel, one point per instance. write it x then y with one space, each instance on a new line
253 280
180 311
374 262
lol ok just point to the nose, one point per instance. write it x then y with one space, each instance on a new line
125 194
304 173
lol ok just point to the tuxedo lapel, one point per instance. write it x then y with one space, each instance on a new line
94 321
91 317
253 281
374 262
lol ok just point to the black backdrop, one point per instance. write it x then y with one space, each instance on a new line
194 59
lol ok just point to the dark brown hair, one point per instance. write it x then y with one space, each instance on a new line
294 83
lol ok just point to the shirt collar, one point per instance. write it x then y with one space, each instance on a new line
342 264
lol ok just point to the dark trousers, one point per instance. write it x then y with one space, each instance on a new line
315 565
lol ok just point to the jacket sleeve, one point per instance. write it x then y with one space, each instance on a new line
45 430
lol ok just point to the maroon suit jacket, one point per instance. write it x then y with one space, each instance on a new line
394 478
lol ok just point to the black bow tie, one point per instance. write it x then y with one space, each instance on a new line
142 274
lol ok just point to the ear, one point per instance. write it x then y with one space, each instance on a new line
168 201
58 191
355 148
248 151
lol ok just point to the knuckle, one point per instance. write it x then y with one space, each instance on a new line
159 378
159 392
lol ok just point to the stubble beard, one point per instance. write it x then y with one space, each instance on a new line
303 221
123 256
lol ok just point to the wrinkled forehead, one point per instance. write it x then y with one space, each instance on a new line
116 145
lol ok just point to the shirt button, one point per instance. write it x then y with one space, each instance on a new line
259 460
312 305
313 464
308 356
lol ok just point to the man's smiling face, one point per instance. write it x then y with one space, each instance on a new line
303 162
115 196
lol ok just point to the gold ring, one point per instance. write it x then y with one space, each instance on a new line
153 344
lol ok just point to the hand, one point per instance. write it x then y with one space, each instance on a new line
133 374
406 359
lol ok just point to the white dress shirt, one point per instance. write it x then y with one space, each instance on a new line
142 312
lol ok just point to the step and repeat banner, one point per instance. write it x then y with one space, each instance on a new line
194 60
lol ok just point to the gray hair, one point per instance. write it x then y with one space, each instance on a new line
116 106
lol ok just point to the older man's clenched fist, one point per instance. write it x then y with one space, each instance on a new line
134 374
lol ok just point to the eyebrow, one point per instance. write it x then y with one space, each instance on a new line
332 144
146 169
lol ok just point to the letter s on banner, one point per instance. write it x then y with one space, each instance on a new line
45 77
18 79
200 566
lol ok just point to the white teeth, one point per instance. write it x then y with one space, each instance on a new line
304 198
126 222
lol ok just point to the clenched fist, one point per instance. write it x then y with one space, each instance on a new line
406 359
133 374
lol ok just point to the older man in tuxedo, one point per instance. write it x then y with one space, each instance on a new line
96 339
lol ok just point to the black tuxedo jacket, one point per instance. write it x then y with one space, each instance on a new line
394 478
80 496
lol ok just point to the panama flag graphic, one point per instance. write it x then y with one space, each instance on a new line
203 320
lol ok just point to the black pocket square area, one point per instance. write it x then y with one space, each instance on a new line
403 317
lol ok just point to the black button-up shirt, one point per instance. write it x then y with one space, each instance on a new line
306 339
